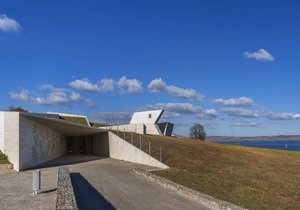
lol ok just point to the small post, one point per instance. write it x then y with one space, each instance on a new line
149 148
160 153
131 138
36 181
124 134
118 130
140 142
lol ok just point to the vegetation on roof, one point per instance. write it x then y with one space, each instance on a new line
249 177
96 125
77 120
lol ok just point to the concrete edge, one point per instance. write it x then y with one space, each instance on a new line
6 166
65 196
200 197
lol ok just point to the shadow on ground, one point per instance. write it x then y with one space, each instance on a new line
87 196
68 160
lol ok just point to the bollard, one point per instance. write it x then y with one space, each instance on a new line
149 148
36 182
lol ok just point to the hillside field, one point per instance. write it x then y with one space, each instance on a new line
249 177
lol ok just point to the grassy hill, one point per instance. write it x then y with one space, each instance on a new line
249 177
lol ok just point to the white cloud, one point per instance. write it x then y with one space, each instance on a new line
260 55
170 115
85 85
208 114
283 116
122 85
130 85
247 124
107 85
179 109
112 117
238 112
56 96
236 102
158 86
8 25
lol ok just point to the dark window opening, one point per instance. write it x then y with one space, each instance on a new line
82 145
149 116
70 145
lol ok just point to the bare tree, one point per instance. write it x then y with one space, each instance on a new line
197 132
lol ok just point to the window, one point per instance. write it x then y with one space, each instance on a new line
149 116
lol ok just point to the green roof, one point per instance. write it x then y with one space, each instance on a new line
77 120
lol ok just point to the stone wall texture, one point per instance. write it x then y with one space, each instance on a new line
38 144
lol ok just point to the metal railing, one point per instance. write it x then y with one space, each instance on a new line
144 143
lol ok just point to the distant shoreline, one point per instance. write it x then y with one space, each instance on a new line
253 138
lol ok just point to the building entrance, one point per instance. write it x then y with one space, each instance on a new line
80 145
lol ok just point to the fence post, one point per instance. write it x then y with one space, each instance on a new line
140 142
149 148
131 138
160 153
124 134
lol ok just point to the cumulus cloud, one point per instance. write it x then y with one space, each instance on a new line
9 25
179 109
283 116
130 85
122 85
207 114
260 55
159 86
247 124
112 117
239 112
236 102
56 96
85 85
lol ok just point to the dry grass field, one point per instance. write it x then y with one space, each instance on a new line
249 177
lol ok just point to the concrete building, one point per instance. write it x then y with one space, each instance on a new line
146 122
30 139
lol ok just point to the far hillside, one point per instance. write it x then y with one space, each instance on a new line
253 138
249 177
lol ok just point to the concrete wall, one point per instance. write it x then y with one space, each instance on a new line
101 145
153 129
136 128
11 137
2 131
38 144
122 150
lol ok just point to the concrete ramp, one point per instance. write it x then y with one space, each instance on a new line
122 150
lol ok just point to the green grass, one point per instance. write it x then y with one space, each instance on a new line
3 159
250 177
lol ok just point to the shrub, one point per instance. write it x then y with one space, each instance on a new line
3 158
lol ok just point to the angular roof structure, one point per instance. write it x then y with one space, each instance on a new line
151 117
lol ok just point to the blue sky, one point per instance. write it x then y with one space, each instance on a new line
231 65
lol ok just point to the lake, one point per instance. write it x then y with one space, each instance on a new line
291 145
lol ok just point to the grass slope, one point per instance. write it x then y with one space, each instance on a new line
249 177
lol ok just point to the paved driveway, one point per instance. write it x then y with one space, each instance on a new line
99 183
